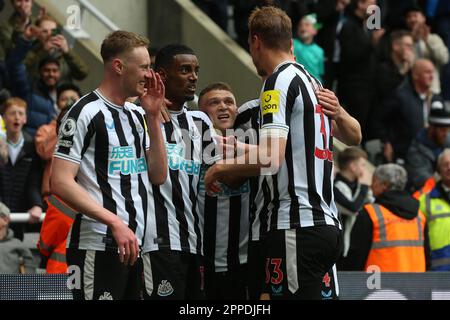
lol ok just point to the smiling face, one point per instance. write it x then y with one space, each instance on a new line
220 105
134 67
50 74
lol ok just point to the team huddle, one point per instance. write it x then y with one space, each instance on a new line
174 204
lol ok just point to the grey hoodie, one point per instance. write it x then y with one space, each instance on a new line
11 250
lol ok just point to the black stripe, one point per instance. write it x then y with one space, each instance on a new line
140 152
125 180
292 94
142 121
75 232
210 228
263 215
275 202
101 170
74 113
309 130
87 138
177 190
309 76
234 229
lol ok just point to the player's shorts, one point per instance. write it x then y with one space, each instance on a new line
298 259
257 264
228 285
330 285
104 277
173 275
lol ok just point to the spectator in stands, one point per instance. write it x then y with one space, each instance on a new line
390 233
422 155
41 95
357 62
426 44
15 257
306 51
436 206
349 193
52 43
331 13
20 178
10 28
405 112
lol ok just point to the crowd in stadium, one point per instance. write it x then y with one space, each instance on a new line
394 79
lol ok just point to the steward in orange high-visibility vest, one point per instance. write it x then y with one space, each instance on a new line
391 234
397 243
55 228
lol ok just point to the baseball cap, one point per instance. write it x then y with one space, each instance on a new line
440 114
312 18
4 210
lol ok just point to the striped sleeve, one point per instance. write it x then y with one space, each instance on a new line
76 130
273 103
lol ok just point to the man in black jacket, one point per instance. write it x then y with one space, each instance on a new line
20 178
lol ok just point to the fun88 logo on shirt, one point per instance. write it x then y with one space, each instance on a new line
175 157
123 160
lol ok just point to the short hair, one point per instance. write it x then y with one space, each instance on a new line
399 34
393 174
119 42
45 18
67 86
48 59
273 26
348 155
164 57
14 101
440 158
214 86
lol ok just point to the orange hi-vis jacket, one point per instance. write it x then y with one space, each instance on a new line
426 188
55 228
397 243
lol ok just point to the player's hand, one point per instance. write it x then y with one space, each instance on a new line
35 214
226 146
212 185
126 242
165 115
153 99
329 103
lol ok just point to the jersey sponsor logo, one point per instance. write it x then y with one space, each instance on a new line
270 102
177 162
106 296
123 160
69 127
277 290
165 289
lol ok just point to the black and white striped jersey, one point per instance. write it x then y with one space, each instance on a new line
248 120
109 143
174 221
301 193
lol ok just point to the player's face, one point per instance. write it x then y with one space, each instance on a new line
136 71
15 118
181 78
220 105
50 74
67 96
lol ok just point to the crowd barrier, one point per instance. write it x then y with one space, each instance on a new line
352 286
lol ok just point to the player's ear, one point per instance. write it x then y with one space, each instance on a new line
117 66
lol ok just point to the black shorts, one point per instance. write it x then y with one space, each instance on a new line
173 275
104 277
228 285
330 286
256 261
298 259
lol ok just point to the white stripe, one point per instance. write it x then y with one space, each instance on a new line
88 278
291 260
148 274
244 227
222 233
336 283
